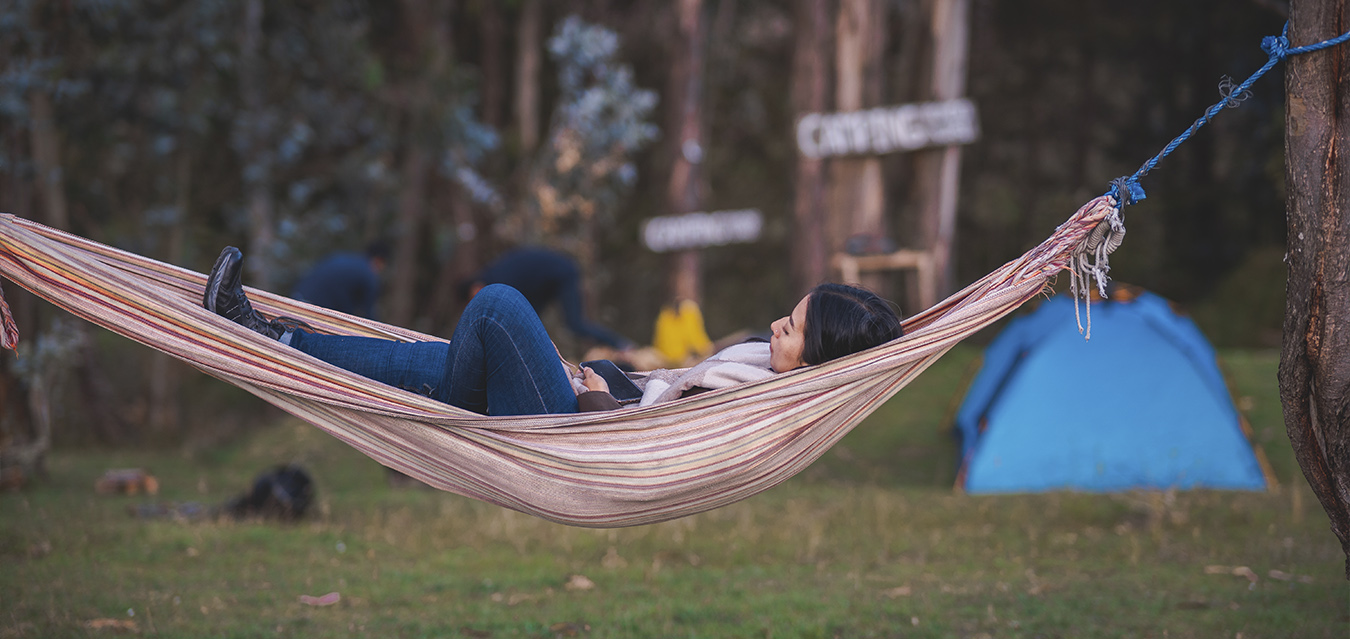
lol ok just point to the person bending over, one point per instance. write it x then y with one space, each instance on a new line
345 282
545 277
500 360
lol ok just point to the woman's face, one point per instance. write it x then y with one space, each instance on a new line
785 348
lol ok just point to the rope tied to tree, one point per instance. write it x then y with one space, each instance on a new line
1127 189
1089 260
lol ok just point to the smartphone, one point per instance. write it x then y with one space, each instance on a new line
622 388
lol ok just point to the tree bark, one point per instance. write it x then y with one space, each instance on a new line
257 187
809 75
47 159
427 56
1315 356
94 388
528 61
686 91
444 305
857 196
165 371
493 38
938 171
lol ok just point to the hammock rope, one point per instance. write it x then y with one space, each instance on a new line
604 469
1128 190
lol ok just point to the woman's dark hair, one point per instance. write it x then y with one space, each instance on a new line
842 320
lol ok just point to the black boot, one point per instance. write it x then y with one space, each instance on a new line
225 295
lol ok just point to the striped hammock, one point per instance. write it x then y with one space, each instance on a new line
601 469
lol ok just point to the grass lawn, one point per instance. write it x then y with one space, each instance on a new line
871 541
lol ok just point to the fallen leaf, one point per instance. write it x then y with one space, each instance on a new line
902 591
326 600
120 625
579 582
569 628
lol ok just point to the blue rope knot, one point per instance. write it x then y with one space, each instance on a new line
1127 191
1276 46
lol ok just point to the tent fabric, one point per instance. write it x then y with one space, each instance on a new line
606 469
1141 405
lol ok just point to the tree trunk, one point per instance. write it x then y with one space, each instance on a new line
522 222
810 250
939 170
166 371
857 197
95 391
47 159
1315 357
857 200
425 28
444 304
528 61
257 185
493 37
686 94
412 204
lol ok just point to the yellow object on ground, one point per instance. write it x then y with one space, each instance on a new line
680 335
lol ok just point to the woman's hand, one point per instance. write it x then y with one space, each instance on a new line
593 381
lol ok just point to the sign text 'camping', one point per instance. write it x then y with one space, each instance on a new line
887 130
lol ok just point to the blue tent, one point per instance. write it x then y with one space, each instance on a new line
1140 405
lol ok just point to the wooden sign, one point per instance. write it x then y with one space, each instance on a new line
698 230
887 130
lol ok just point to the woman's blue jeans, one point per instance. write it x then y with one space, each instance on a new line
500 360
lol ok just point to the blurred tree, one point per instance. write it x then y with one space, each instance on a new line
253 129
685 118
43 369
437 140
585 168
937 171
810 248
152 89
856 196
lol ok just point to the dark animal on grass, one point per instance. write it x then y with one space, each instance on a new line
283 493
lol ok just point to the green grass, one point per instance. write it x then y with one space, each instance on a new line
871 541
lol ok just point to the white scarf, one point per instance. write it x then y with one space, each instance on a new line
738 364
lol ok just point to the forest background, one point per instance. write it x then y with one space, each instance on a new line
456 130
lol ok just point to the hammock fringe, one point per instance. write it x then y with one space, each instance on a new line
1090 261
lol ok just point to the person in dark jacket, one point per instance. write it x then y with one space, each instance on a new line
346 282
544 276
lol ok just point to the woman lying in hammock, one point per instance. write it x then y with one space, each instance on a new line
501 361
